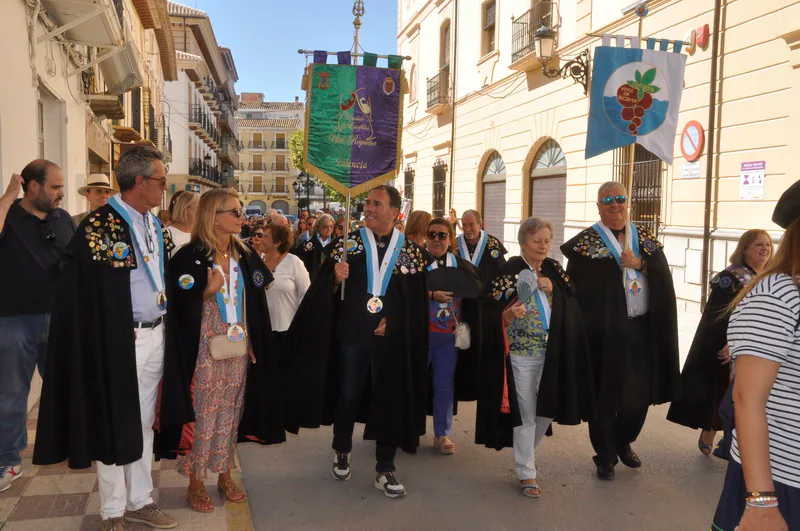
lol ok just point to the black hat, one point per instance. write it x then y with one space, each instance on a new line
787 211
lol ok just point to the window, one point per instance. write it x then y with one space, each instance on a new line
439 180
257 163
280 163
280 185
489 10
548 191
136 109
645 194
257 142
494 195
280 140
413 84
258 184
444 54
408 185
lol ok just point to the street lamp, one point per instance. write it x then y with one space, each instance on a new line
300 183
578 69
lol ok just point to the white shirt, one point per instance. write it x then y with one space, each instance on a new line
765 325
179 238
144 297
286 291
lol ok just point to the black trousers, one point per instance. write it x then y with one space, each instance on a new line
354 363
610 431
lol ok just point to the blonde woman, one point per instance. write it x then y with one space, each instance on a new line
215 286
417 226
182 210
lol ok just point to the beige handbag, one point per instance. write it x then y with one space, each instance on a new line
222 348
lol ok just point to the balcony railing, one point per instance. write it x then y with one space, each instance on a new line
280 144
280 189
439 88
280 166
257 189
199 116
523 29
199 168
257 166
257 144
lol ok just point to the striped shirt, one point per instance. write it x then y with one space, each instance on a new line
765 325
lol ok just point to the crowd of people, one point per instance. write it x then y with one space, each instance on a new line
178 336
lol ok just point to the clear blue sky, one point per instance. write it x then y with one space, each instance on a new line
264 36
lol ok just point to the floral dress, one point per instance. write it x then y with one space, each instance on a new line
527 336
218 396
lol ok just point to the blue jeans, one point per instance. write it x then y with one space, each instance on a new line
354 362
442 358
23 342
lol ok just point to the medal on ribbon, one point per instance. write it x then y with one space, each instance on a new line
230 300
479 249
379 273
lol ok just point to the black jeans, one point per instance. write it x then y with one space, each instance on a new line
614 430
354 363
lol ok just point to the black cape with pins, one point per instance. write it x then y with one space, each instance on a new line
312 253
704 379
492 260
566 391
393 409
653 373
90 396
468 363
262 415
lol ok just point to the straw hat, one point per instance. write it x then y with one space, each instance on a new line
97 180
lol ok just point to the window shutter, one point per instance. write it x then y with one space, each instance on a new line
489 17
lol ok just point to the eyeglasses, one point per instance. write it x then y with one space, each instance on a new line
238 212
619 199
258 235
162 180
433 235
340 227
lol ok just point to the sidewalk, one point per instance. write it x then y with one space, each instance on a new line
54 498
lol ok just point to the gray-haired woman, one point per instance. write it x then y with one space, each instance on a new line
312 252
535 361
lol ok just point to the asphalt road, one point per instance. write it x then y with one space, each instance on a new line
290 486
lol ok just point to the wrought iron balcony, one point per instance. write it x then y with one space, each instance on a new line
439 91
523 31
280 189
257 144
199 168
257 166
280 144
280 166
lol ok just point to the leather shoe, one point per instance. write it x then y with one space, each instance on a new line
629 457
605 470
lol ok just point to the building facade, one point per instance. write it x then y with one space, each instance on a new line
265 175
83 81
201 106
486 129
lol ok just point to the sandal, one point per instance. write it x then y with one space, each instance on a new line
445 445
531 490
230 491
705 449
199 500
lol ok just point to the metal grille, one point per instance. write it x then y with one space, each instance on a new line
136 109
549 201
439 180
494 207
489 17
408 185
439 88
645 194
524 28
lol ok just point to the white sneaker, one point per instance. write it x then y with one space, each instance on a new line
7 476
341 466
387 482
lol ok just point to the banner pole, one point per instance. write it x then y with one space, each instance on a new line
631 165
346 233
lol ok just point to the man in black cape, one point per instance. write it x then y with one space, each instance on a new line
566 390
480 248
106 348
263 410
364 358
632 326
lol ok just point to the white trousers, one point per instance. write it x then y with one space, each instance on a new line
115 498
527 375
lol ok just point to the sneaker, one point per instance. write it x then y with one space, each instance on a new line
387 482
151 515
113 524
341 466
9 474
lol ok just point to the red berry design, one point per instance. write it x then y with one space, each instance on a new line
638 112
646 102
627 114
637 122
627 96
632 128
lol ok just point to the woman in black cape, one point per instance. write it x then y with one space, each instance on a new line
706 373
535 365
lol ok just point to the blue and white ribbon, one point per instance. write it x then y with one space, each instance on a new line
323 243
633 282
231 311
451 262
540 300
379 274
479 249
155 266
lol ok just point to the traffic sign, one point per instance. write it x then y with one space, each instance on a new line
692 140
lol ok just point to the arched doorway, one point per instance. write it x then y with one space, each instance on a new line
260 204
548 187
281 205
493 208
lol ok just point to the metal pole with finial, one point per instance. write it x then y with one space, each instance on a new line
358 12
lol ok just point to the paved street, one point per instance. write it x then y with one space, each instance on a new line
291 487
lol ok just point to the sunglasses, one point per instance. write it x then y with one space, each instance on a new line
258 235
433 235
238 212
340 227
619 199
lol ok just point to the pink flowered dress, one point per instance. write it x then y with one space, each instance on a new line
218 396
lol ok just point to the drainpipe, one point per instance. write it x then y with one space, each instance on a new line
712 116
453 104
